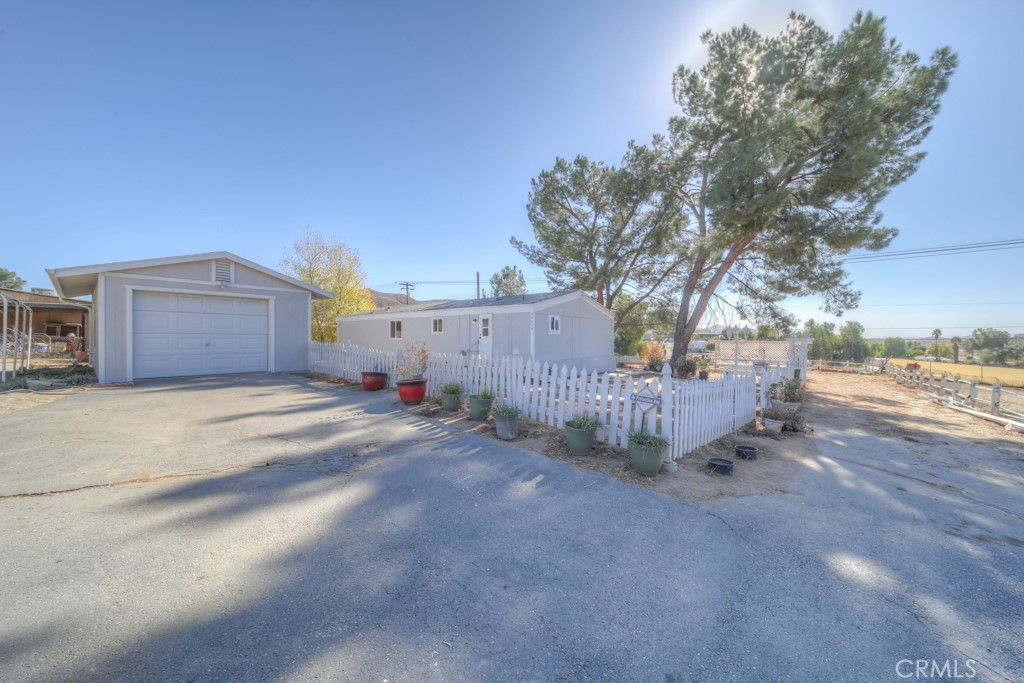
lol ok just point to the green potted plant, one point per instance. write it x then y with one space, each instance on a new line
786 395
411 385
506 421
647 452
685 367
579 433
480 404
451 396
704 365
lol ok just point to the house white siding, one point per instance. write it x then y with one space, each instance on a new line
585 337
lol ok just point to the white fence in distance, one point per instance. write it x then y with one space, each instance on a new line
690 413
992 399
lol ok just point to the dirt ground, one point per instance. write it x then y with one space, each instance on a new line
895 412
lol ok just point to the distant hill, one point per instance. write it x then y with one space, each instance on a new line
385 299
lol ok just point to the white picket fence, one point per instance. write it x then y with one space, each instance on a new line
690 413
993 399
349 361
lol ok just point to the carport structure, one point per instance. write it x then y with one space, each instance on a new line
16 334
199 314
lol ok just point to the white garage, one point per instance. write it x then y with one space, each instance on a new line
175 335
203 314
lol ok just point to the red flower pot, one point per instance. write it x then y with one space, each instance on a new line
374 381
412 391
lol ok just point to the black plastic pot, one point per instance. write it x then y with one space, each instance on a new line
721 465
746 452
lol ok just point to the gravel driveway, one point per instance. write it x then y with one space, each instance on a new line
266 527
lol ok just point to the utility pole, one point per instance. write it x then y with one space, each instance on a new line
478 284
408 286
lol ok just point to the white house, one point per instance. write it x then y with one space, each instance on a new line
568 328
202 314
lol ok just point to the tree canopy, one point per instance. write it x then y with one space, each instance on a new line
604 229
10 280
770 174
330 265
783 149
509 281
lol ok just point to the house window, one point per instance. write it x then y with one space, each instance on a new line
396 329
485 326
554 324
438 326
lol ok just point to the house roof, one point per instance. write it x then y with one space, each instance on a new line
519 301
37 300
449 304
81 280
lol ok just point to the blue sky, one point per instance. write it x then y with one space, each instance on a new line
411 131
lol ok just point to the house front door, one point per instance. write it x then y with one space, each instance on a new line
485 336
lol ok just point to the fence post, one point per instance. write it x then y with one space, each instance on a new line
956 389
942 386
666 407
972 395
996 390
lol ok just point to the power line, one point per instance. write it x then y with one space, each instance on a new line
925 252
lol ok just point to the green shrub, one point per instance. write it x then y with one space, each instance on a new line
505 410
645 439
585 422
486 393
790 391
685 367
451 388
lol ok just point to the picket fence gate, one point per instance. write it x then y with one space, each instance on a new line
689 413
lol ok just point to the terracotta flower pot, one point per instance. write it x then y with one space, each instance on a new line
412 391
374 381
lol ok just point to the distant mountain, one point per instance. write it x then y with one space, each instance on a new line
386 299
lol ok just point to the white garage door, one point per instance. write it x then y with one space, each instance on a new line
188 334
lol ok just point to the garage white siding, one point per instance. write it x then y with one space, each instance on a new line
175 335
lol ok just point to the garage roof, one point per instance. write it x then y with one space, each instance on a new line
81 280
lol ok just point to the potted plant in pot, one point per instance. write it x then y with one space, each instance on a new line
374 380
703 364
579 433
774 420
786 395
412 387
647 452
685 367
451 396
506 421
480 404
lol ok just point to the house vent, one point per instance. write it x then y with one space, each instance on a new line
222 271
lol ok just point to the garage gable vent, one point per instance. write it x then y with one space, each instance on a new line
222 271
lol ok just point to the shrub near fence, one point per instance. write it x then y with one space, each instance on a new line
690 413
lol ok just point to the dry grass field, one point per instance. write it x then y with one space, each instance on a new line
986 374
